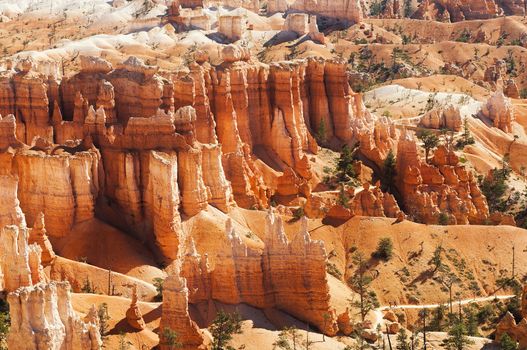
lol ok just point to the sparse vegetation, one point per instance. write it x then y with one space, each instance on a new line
494 187
223 327
158 283
170 338
443 219
457 338
124 344
5 323
507 343
388 173
88 287
321 135
345 172
384 249
298 213
333 270
429 140
360 282
290 338
437 260
464 37
466 137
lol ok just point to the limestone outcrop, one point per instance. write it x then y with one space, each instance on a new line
448 117
373 202
303 24
42 317
458 10
19 262
443 188
37 235
133 107
232 26
134 317
72 197
500 111
251 5
508 326
340 9
25 95
175 314
287 275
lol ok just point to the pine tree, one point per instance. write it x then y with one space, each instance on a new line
321 135
384 249
223 328
402 343
457 338
345 165
507 343
360 283
388 173
429 140
408 8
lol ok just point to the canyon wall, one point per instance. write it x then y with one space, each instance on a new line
459 10
145 151
338 9
441 188
286 275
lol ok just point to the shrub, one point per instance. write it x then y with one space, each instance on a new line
170 338
443 219
507 343
333 270
298 213
464 37
384 249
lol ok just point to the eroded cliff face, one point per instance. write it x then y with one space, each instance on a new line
145 152
176 315
42 317
287 275
340 9
19 262
500 111
442 187
459 10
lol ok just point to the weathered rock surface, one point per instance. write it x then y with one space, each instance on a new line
64 187
442 187
42 317
175 314
443 118
458 10
19 262
500 111
266 279
37 235
134 317
373 202
340 9
232 26
303 24
517 332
